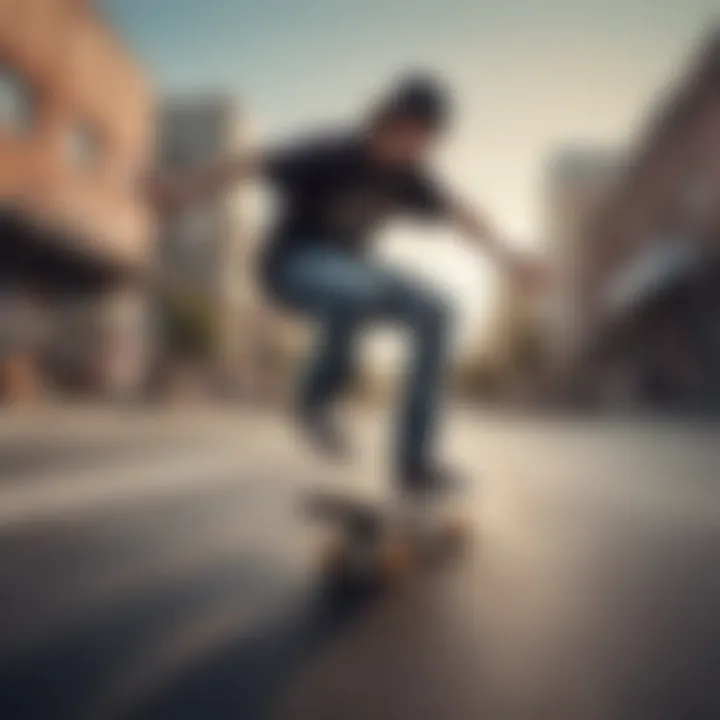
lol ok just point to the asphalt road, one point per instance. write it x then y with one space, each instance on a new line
154 565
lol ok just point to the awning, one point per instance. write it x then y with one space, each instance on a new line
653 272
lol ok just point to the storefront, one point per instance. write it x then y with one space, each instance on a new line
657 344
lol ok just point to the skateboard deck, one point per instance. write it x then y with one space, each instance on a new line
376 540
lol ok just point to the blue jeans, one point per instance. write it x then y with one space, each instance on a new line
344 294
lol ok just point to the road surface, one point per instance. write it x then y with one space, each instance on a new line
153 565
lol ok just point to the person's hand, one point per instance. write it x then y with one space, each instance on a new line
171 195
530 275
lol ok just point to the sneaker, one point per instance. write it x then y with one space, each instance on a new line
431 482
323 432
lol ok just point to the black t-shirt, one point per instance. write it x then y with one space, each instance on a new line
333 194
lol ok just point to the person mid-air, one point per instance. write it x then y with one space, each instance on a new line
336 191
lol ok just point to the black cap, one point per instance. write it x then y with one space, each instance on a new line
419 97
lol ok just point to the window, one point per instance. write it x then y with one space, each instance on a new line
17 102
173 152
695 196
84 146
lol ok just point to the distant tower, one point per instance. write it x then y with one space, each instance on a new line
207 248
577 181
211 249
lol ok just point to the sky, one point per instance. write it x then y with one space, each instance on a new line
529 77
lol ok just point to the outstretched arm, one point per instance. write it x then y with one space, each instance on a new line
482 233
171 194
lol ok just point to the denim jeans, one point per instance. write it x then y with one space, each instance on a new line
345 294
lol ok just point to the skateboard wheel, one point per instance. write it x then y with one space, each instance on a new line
334 555
457 530
396 561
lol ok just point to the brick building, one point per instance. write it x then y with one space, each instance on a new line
649 277
76 133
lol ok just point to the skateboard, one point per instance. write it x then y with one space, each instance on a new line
377 541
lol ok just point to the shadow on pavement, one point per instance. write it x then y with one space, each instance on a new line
250 678
239 674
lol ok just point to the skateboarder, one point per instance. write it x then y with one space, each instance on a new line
336 190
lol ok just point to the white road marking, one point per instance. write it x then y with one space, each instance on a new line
53 494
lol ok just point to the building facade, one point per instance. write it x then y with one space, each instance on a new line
649 279
76 137
578 180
